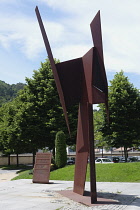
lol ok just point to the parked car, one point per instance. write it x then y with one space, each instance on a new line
122 160
133 159
70 161
115 159
129 159
103 160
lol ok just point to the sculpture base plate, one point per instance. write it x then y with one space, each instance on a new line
86 199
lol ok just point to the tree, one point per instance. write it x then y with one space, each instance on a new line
124 110
34 117
98 136
10 131
42 115
60 145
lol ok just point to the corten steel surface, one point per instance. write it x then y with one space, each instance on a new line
99 75
41 173
55 74
97 34
86 198
82 80
70 75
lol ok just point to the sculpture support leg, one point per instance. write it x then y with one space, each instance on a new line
92 156
84 147
82 150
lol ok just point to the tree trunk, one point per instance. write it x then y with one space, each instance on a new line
9 163
111 151
34 157
17 160
54 153
102 152
125 153
122 151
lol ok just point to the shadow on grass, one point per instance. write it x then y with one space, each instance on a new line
20 168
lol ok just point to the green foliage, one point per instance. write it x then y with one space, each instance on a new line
73 147
98 122
61 154
10 130
10 141
124 106
40 110
41 113
31 121
9 92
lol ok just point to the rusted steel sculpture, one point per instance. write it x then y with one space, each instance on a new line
82 80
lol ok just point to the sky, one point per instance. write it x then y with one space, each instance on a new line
67 24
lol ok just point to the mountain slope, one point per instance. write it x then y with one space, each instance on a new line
8 92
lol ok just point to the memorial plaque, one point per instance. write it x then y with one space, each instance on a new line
42 166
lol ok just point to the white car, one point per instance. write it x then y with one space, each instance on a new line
103 160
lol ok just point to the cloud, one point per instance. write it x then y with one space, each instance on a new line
69 52
17 31
24 33
69 33
9 2
120 28
122 48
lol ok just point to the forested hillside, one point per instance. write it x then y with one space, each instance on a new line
8 92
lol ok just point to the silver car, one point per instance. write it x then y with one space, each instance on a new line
103 160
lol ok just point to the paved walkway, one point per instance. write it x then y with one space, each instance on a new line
25 195
7 175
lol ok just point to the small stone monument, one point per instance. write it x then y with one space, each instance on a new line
41 173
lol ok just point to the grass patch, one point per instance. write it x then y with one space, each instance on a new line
65 174
24 175
117 172
14 167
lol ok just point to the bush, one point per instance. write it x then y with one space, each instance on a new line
60 154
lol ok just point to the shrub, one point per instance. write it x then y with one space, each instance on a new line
60 154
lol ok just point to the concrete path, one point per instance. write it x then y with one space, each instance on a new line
7 175
25 195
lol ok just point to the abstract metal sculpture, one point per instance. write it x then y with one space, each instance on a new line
82 80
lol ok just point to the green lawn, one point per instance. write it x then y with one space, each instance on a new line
117 172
